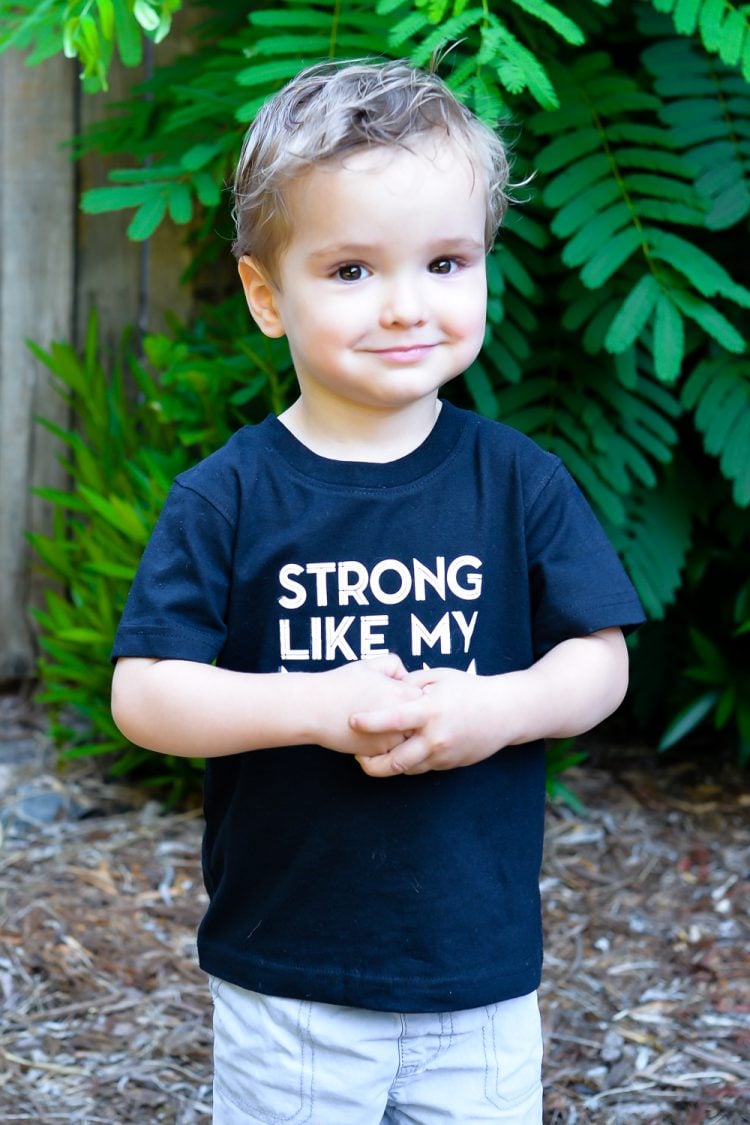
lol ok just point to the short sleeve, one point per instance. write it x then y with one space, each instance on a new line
578 584
177 604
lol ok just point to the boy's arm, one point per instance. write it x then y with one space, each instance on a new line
461 719
197 710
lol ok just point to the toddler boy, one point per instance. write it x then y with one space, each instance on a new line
367 614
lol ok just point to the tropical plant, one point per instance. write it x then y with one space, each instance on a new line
192 392
618 304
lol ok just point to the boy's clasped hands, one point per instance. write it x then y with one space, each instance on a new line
395 722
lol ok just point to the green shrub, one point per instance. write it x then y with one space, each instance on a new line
134 428
618 307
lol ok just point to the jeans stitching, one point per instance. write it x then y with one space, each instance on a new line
269 1117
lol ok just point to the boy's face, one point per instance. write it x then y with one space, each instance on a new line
382 288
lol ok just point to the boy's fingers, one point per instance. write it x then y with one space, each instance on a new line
423 677
391 664
408 758
406 717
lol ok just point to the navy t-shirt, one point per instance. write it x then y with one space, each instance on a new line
477 551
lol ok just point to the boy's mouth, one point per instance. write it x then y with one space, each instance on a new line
403 353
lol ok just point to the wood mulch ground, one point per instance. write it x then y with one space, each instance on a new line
645 1001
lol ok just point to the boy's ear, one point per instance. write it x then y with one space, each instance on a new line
260 294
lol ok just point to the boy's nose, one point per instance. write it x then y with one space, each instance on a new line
403 304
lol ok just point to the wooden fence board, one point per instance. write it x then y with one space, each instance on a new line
55 266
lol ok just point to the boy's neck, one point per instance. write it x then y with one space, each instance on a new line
362 434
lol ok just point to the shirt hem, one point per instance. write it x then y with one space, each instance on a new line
376 994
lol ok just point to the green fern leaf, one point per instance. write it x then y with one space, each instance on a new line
129 42
306 17
703 271
576 179
580 209
632 459
206 189
669 340
293 45
562 152
199 156
605 499
660 187
610 258
265 74
655 160
600 228
144 175
659 210
385 7
686 14
516 67
633 315
710 319
480 388
730 206
554 18
655 543
707 114
718 393
95 201
640 133
449 31
709 23
180 202
406 29
147 218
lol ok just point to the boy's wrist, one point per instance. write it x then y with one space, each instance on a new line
513 707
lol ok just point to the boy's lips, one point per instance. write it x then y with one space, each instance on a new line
403 353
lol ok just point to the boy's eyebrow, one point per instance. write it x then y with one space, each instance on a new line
362 249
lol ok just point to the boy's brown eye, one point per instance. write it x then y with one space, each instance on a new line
350 272
442 265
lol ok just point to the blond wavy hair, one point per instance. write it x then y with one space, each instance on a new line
332 109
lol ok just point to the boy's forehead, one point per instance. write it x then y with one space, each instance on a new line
387 196
396 170
433 152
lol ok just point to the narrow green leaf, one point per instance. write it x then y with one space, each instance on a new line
147 218
83 636
710 319
573 180
449 31
563 151
599 229
565 27
710 22
207 189
685 16
199 156
688 719
633 315
180 203
669 340
128 36
704 272
580 209
610 258
106 17
266 74
98 200
481 390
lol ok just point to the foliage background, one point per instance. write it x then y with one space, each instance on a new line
618 302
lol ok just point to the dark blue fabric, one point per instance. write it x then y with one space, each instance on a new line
477 551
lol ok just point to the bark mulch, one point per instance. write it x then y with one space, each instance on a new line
646 1001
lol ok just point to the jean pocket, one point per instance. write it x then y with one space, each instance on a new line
263 1056
513 1052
